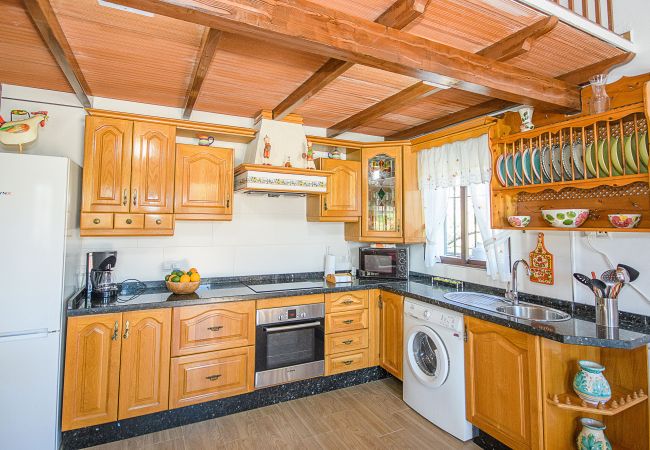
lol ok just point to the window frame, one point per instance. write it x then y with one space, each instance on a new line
464 260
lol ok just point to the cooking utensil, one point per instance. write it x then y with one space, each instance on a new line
623 275
599 287
584 279
616 289
633 273
610 278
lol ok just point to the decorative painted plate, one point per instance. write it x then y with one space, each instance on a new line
590 156
519 176
501 170
510 170
603 158
546 163
566 161
643 148
556 158
629 150
525 165
617 156
578 161
537 166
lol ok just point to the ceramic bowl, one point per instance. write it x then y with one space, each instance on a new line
519 221
565 218
183 288
625 220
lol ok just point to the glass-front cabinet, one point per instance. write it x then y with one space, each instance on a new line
382 192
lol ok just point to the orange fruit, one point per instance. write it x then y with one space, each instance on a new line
185 278
193 270
195 277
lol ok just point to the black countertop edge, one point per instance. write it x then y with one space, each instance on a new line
580 330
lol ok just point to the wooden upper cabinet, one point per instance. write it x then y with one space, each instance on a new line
342 202
204 182
144 372
502 373
381 192
107 165
152 169
413 213
391 332
92 367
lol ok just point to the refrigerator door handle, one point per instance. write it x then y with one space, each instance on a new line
20 336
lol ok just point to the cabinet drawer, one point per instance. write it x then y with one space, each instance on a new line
346 321
129 221
346 301
158 221
207 328
210 376
346 341
344 362
97 221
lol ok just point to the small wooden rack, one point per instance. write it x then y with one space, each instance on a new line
621 400
571 165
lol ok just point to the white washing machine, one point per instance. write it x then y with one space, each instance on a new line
434 366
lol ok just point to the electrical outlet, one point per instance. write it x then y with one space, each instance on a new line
598 234
168 266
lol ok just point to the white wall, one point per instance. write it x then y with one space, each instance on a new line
266 235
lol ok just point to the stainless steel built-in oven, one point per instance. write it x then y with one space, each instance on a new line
289 344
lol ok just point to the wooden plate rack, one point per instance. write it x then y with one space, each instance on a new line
619 185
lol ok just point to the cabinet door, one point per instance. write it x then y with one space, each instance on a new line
152 169
107 165
92 368
381 192
502 372
343 198
144 373
391 336
205 328
204 181
413 226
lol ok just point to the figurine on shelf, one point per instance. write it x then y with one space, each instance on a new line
288 162
334 154
24 129
309 156
267 151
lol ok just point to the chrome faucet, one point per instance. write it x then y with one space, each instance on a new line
511 290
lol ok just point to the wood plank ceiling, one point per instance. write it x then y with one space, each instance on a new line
154 60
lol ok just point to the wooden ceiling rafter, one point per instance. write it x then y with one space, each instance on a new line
44 18
209 44
398 15
578 76
305 26
507 48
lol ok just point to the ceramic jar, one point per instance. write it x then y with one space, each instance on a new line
592 436
526 115
590 383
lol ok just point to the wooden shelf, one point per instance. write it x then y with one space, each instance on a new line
580 184
611 408
549 228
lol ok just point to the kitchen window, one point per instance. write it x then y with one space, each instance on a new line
463 241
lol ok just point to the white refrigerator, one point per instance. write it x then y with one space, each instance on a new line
40 269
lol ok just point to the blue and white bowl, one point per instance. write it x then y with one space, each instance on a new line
590 383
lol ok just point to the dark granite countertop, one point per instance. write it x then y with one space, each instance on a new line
581 329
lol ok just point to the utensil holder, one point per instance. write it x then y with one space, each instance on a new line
607 312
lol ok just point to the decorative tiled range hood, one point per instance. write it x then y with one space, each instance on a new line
269 175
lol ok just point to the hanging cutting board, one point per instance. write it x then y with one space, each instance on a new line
541 263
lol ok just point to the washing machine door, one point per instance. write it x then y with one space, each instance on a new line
427 356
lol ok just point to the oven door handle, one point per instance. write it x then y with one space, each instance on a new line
292 327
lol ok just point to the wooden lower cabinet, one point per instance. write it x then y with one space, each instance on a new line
346 321
502 378
346 341
144 372
345 362
207 328
212 375
391 332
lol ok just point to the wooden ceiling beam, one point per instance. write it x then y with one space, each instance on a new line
44 18
576 77
507 48
207 49
399 15
308 27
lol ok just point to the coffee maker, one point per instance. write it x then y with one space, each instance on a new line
99 276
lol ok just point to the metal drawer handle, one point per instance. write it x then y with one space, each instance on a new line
347 302
96 221
348 362
126 330
116 331
213 377
348 322
129 221
215 328
348 342
158 221
292 327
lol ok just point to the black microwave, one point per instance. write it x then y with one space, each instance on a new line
384 263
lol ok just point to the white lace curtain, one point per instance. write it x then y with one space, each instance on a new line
460 163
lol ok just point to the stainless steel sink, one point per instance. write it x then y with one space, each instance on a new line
499 305
533 312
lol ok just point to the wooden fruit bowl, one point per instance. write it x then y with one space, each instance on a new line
183 288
